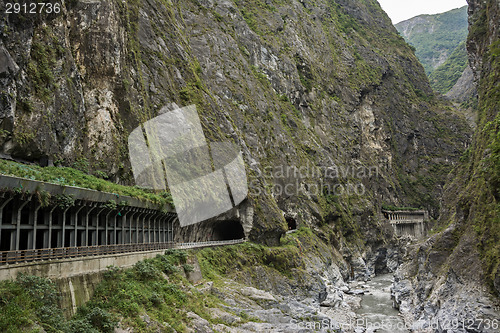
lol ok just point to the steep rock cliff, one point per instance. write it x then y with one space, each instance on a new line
311 84
455 274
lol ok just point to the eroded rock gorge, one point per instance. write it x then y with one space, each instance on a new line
454 274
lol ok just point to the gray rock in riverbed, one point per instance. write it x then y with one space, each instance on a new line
333 299
356 292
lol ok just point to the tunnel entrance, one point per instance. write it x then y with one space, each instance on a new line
291 222
228 230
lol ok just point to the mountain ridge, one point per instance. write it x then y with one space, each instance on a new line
439 41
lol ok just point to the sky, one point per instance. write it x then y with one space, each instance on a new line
400 10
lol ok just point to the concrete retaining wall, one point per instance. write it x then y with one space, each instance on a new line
75 278
66 268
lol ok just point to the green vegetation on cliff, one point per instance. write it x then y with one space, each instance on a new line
220 262
435 37
472 199
482 192
444 77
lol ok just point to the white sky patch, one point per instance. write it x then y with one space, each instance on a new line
399 10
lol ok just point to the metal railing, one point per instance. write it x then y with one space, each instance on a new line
20 256
207 244
406 221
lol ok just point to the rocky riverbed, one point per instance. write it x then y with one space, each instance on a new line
346 307
377 313
321 299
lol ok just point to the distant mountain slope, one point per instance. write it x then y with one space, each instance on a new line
435 37
444 77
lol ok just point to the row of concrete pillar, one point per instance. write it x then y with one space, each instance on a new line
416 230
396 216
25 224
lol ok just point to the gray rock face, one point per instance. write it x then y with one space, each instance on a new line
333 299
436 302
464 88
198 324
384 260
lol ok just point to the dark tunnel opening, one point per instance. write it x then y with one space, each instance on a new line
291 222
227 230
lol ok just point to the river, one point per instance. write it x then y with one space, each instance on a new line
376 309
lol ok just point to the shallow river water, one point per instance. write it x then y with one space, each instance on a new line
376 309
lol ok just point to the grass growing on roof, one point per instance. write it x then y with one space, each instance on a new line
72 177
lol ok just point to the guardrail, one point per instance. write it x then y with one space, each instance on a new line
13 257
408 221
207 244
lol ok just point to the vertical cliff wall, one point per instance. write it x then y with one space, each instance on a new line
455 274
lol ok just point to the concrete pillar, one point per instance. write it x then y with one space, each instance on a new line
137 222
140 225
1 214
152 225
48 218
143 227
72 232
115 230
165 229
169 221
87 225
167 239
18 223
163 222
159 222
135 211
160 227
98 231
106 230
169 227
172 232
155 226
35 224
135 238
61 235
127 226
146 227
77 218
147 219
74 216
151 229
124 221
71 228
